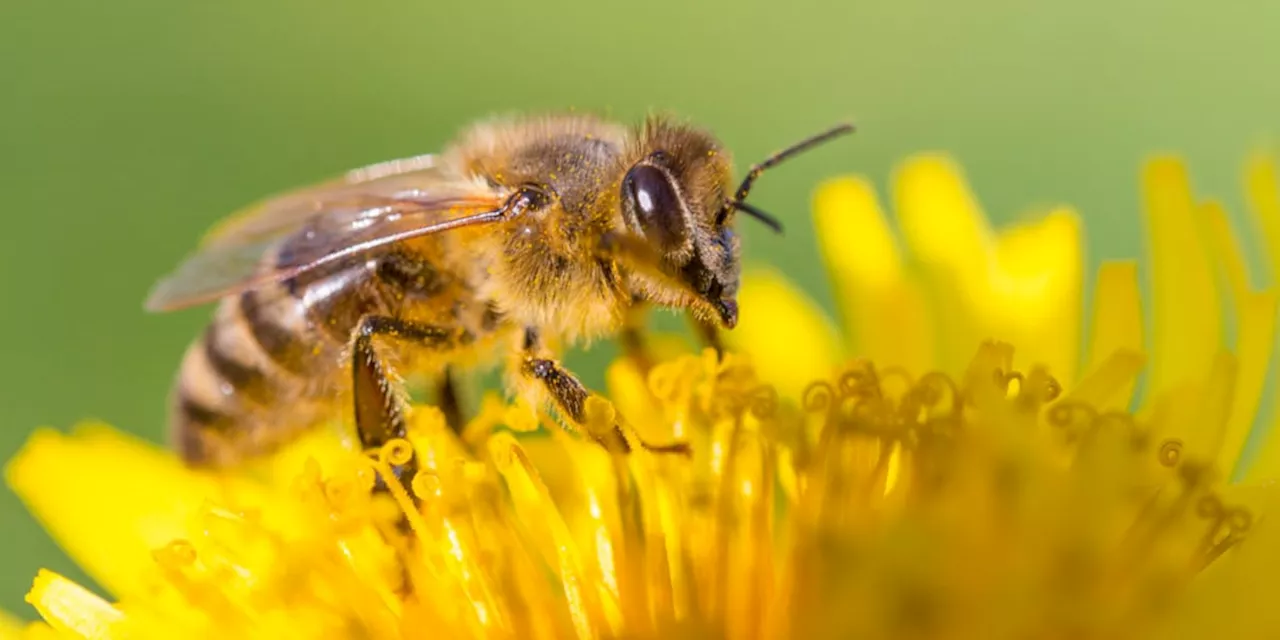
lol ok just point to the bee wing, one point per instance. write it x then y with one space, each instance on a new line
359 213
280 214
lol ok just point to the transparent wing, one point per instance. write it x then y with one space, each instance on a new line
282 237
279 215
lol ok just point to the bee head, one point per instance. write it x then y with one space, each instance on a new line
677 195
672 196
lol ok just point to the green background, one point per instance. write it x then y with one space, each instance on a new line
127 127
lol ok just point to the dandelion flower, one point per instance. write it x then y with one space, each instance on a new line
959 455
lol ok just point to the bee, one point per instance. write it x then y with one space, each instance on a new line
522 237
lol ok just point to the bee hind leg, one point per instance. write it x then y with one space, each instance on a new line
570 397
380 413
379 409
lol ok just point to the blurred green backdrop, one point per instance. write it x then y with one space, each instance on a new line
127 127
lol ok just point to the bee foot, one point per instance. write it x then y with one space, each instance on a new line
671 448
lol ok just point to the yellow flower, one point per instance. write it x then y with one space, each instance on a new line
956 488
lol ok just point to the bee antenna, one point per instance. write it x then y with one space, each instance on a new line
758 214
745 188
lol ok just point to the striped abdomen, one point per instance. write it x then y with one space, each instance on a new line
271 362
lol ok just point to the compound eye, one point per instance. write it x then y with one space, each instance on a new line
652 194
531 197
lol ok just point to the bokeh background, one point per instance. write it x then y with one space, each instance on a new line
127 127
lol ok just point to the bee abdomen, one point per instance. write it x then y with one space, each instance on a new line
259 372
279 328
240 383
205 411
196 429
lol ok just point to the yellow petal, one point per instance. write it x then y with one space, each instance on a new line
854 237
1255 315
108 500
39 631
1186 315
881 306
948 235
1224 249
1263 191
1117 324
324 446
548 532
1109 385
11 627
1036 289
1197 413
1255 344
72 609
785 334
628 390
941 221
1266 466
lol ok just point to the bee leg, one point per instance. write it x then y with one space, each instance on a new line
632 337
447 398
709 335
634 345
379 413
570 396
379 410
636 255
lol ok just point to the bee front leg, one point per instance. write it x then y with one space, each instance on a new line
570 397
709 334
379 410
632 337
636 347
632 252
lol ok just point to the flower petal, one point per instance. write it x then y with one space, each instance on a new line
1255 315
881 306
1262 187
39 631
548 532
1022 287
1109 386
11 627
1263 190
1196 413
629 391
787 337
108 499
1116 329
1186 325
950 238
70 608
1037 289
854 236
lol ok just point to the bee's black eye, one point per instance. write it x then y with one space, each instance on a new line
653 205
532 196
651 194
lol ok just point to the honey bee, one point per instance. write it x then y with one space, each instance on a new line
524 236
